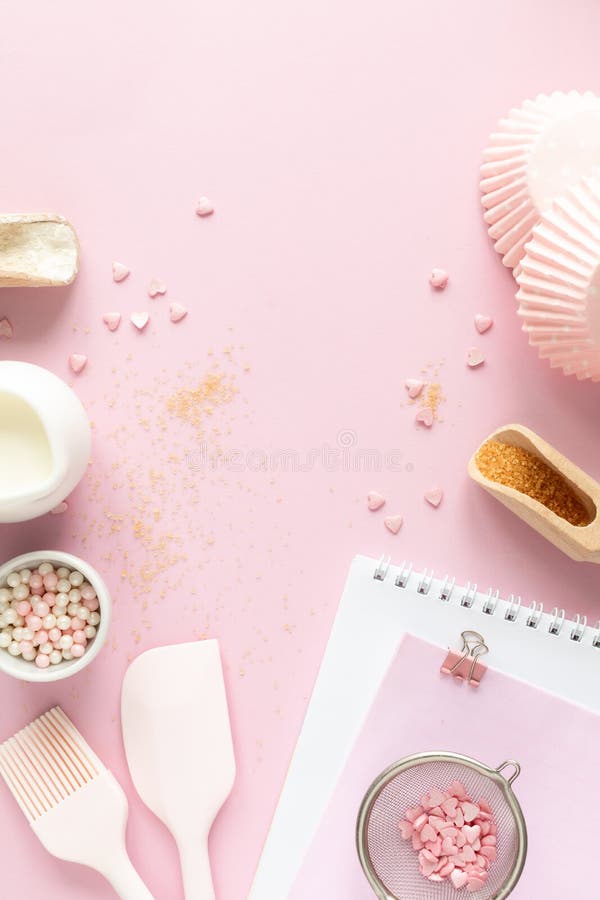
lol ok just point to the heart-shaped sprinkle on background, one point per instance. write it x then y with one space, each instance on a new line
483 323
156 286
425 417
204 207
475 357
375 500
119 271
393 523
112 320
140 320
414 387
438 278
77 361
434 496
177 312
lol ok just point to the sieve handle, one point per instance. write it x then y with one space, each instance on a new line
506 764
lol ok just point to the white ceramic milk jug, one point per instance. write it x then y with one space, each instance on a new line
45 441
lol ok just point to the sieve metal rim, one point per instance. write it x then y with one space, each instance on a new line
366 807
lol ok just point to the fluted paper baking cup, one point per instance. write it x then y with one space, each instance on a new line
559 282
538 152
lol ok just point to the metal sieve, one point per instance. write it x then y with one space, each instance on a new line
390 863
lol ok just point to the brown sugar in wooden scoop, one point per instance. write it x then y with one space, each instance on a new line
522 470
542 487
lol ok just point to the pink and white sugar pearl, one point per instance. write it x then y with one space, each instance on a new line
47 615
454 836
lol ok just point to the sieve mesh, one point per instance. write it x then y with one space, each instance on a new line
394 860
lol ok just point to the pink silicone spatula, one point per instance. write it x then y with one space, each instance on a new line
179 748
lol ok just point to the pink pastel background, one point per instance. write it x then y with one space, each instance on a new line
340 143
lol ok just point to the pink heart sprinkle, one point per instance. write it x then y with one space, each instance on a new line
420 821
414 387
450 805
468 854
177 312
458 790
470 811
140 320
449 848
458 879
427 867
77 361
439 278
119 271
472 833
437 797
474 884
156 287
112 320
475 357
434 496
417 842
446 869
425 417
61 508
414 813
393 523
6 329
483 323
428 833
435 847
204 207
375 500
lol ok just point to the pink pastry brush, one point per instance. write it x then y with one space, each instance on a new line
71 801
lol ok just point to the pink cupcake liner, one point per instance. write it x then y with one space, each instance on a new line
559 283
537 153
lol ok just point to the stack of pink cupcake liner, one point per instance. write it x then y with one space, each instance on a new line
541 194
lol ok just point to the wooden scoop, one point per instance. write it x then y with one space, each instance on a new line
580 542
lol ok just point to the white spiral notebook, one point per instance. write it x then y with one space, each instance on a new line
380 604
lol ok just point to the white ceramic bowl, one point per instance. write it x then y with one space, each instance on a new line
28 671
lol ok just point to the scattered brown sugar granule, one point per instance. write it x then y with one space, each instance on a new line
194 404
433 396
519 469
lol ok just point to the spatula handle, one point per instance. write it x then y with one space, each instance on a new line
126 881
195 868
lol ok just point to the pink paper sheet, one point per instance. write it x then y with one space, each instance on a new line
419 710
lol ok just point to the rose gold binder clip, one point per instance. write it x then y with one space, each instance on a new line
464 664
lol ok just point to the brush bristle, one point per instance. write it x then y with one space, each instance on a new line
46 762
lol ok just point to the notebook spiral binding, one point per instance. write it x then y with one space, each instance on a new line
530 616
